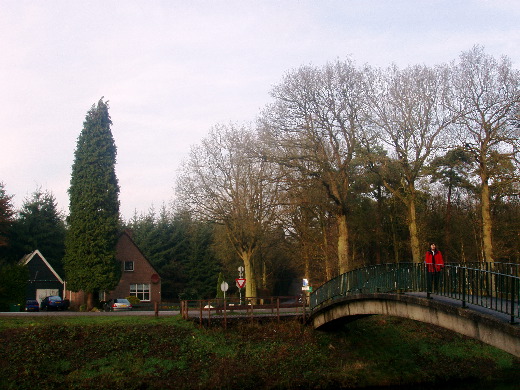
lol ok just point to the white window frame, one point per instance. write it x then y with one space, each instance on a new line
142 291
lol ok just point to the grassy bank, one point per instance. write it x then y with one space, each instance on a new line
160 353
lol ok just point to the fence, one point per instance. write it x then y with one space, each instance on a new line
208 310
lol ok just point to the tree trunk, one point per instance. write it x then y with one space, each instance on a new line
264 275
343 245
395 241
306 263
246 257
414 235
379 225
328 265
486 221
447 226
90 301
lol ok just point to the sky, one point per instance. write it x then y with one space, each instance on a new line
171 70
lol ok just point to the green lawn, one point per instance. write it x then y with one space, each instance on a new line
127 352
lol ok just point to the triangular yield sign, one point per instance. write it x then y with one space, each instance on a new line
240 282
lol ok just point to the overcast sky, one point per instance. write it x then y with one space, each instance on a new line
173 69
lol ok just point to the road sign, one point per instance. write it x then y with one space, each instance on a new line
224 286
240 282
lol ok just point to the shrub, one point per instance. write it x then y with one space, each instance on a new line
13 279
134 300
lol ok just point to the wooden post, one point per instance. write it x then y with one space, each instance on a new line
225 314
209 313
304 303
156 308
200 317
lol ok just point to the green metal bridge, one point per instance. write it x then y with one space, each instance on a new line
480 300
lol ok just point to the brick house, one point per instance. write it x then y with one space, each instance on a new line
138 277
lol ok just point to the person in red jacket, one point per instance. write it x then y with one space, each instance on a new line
434 265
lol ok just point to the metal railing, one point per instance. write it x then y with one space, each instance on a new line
219 309
495 286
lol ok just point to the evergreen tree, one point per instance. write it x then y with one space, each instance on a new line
201 266
90 263
41 226
6 222
180 249
220 293
13 282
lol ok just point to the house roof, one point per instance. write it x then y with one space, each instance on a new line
28 257
128 234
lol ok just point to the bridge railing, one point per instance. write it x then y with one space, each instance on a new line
495 286
512 269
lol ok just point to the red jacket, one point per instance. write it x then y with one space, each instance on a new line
434 263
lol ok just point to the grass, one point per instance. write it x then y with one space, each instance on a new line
127 352
25 321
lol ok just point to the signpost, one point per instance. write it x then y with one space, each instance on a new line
241 282
224 287
306 288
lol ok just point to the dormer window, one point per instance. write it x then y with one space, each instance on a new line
129 265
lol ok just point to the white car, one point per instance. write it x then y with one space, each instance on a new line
118 304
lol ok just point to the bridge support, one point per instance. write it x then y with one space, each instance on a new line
479 326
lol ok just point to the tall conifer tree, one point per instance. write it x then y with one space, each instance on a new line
90 263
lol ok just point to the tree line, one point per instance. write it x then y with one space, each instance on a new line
350 166
347 166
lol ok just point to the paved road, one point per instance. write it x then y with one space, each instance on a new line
258 312
90 313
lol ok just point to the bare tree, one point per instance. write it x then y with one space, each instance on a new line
313 128
487 99
408 116
223 182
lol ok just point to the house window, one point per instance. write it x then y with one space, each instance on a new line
141 291
129 265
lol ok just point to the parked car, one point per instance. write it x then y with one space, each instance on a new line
54 302
118 304
32 305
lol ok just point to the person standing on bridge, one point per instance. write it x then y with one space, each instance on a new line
434 265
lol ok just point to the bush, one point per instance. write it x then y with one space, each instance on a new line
134 300
13 282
